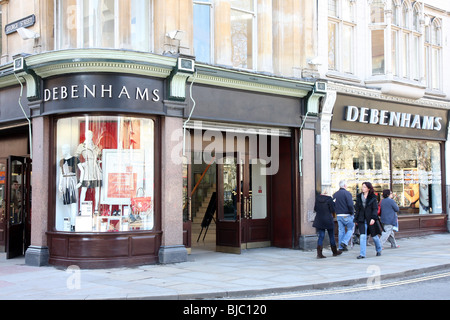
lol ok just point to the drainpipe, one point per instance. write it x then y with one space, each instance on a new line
21 71
190 114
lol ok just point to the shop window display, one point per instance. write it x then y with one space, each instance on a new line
357 159
412 169
105 174
416 176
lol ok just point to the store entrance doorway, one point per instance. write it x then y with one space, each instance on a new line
242 215
227 209
15 212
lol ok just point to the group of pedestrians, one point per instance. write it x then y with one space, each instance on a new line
362 216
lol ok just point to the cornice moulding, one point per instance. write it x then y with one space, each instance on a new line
376 94
58 63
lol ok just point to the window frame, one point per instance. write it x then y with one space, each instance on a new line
341 24
79 42
393 173
254 53
155 162
210 4
1 31
406 52
433 51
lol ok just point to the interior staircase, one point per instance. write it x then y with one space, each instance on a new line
210 238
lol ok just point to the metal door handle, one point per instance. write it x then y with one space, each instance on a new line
246 207
189 208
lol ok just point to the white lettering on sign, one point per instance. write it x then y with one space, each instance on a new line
100 91
393 118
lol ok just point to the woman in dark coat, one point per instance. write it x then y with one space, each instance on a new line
324 208
366 218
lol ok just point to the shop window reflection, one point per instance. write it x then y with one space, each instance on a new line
416 178
357 159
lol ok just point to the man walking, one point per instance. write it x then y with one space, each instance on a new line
344 213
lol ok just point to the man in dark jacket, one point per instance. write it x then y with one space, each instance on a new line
343 203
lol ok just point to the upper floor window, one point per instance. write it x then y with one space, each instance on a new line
341 33
1 28
405 14
103 24
377 29
377 11
416 18
235 41
404 40
243 33
433 53
394 14
203 31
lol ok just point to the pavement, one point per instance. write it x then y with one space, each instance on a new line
212 275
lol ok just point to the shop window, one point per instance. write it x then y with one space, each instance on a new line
414 175
103 24
357 159
104 174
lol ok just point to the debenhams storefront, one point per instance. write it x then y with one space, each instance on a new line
395 146
106 190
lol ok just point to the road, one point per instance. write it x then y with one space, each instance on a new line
432 286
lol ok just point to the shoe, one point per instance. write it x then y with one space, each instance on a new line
378 254
319 252
395 247
360 257
335 251
344 247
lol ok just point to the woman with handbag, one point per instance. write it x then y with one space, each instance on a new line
366 218
324 208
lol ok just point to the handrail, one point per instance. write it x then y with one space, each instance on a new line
200 180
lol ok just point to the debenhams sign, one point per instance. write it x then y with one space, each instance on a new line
103 92
393 118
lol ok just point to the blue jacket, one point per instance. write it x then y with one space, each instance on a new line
343 202
389 209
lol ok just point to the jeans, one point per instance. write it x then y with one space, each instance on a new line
363 242
345 222
322 235
388 235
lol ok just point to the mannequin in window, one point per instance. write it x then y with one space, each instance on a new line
68 182
90 171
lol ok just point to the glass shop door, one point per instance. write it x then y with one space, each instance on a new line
3 220
17 209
